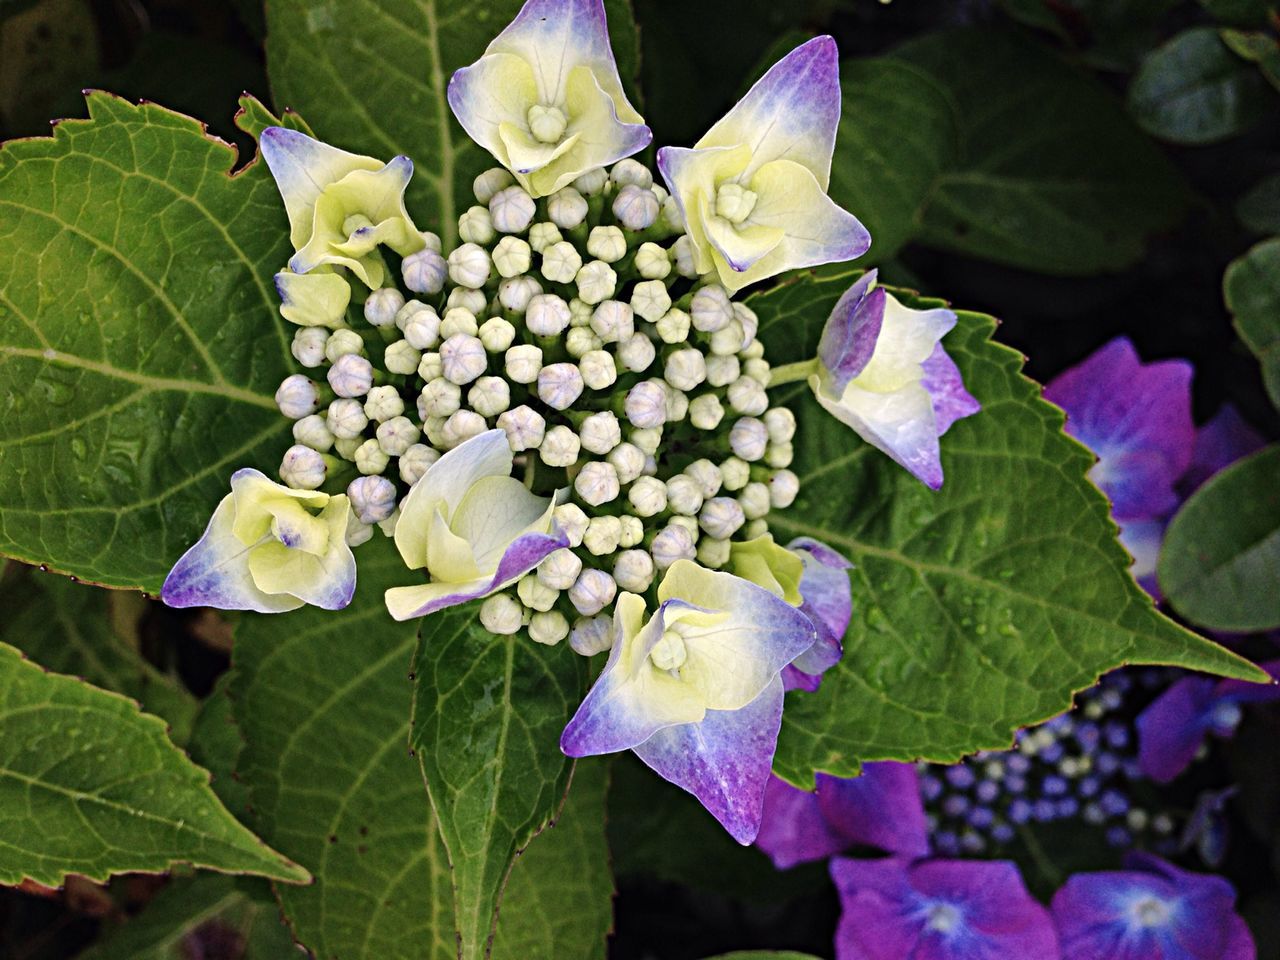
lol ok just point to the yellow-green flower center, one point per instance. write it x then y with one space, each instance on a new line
669 653
734 202
546 123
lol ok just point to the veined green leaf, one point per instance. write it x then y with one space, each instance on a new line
1251 287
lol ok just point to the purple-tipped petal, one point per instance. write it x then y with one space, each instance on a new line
793 829
302 167
951 401
827 601
881 808
850 334
724 761
1226 438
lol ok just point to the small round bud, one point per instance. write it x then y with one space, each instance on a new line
489 396
302 468
497 334
747 396
524 427
469 266
397 435
560 447
351 376
646 404
512 257
373 499
673 326
543 235
580 341
345 418
424 271
706 411
728 339
490 182
636 352
580 313
688 523
781 424
636 207
572 522
567 208
685 369
684 496
755 349
511 210
560 569
591 635
713 553
734 202
721 517
408 310
370 458
707 475
748 438
754 500
597 483
652 262
473 301
749 322
312 432
476 226
341 343
548 628
672 543
596 282
381 306
647 439
711 309
632 531
458 320
346 447
546 123
779 455
631 171
591 182
547 315
600 432
422 329
648 496
523 363
297 396
439 398
607 244
559 385
613 321
502 614
755 529
757 370
783 487
515 293
561 262
433 427
400 357
603 535
722 371
463 358
682 255
592 592
415 462
461 426
650 300
430 367
672 218
308 345
535 594
633 570
628 461
598 370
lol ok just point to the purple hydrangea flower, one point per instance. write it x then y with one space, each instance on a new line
1222 441
828 602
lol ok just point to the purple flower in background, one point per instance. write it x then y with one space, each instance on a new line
1172 728
1222 441
1151 911
881 808
940 910
828 602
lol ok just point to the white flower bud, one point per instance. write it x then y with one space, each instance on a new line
713 553
673 542
631 171
636 207
749 322
648 496
636 352
711 309
543 236
560 447
607 244
381 306
628 460
512 257
756 369
596 282
672 218
472 301
721 517
673 326
373 499
351 376
707 475
722 371
572 522
546 123
400 357
370 458
613 321
747 396
728 339
502 614
779 455
458 320
463 358
476 226
754 500
593 591
422 329
430 368
684 496
783 488
497 334
781 424
433 427
688 523
603 535
748 438
591 635
311 432
511 210
548 628
567 208
633 570
652 263
755 349
560 569
597 368
706 411
439 398
346 447
647 439
597 483
632 531
523 363
297 396
600 432
547 315
462 426
302 468
561 262
535 594
489 396
755 529
408 310
308 345
682 254
469 266
397 435
646 404
677 405
424 271
415 462
515 293
580 341
524 427
559 385
685 369
580 313
650 300
591 182
490 182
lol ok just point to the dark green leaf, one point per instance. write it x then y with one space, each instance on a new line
1244 13
1251 287
1259 209
1257 46
216 743
1220 561
1105 34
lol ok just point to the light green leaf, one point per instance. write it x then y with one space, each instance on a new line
1044 169
1251 287
371 76
978 609
1259 209
1259 47
487 716
199 917
90 785
1194 90
136 296
1220 560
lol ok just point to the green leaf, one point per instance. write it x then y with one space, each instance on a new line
487 716
1194 90
136 279
199 917
90 785
66 627
1251 288
371 76
1245 13
978 609
1256 46
1220 561
1259 209
216 743
1041 166
323 701
1105 34
558 901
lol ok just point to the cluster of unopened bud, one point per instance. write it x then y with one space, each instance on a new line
577 324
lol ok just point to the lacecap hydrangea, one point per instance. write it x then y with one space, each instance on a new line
564 417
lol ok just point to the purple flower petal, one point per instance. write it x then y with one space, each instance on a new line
827 601
793 829
850 334
951 401
1222 441
881 808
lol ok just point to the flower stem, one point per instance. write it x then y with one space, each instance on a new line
791 372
